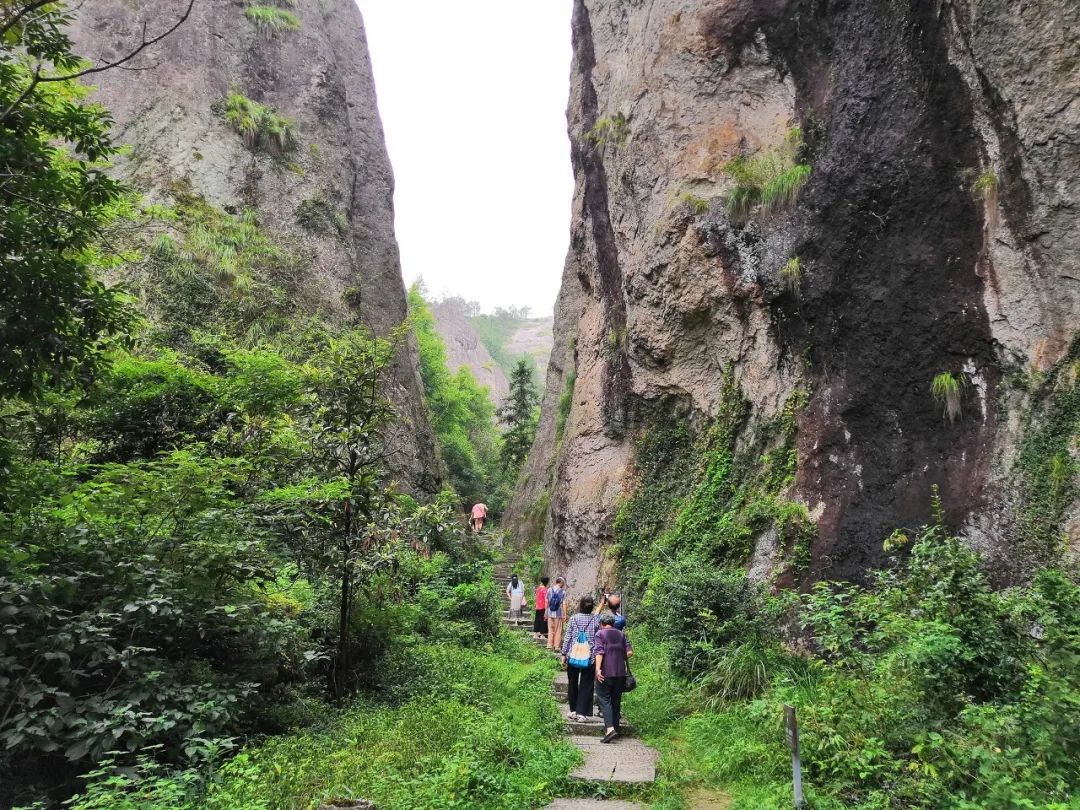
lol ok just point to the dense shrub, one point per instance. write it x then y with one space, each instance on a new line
466 729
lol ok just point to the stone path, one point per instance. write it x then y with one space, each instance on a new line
626 761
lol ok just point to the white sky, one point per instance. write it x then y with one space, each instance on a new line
473 98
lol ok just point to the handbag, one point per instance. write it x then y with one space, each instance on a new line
631 682
580 652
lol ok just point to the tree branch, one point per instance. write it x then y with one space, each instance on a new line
7 26
146 43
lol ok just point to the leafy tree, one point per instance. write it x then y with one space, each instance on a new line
333 513
519 415
56 203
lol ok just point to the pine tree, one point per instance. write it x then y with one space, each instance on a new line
519 416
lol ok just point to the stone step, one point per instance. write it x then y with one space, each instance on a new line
560 684
591 726
593 804
623 760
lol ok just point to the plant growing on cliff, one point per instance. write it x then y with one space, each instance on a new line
985 188
259 125
770 180
696 205
614 130
269 20
947 389
792 273
614 344
566 401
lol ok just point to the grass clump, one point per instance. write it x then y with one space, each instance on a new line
318 215
259 125
566 401
696 205
270 20
792 274
768 181
985 187
614 130
947 390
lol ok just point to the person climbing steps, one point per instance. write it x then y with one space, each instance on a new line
578 657
612 651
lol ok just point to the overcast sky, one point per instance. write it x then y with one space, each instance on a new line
473 101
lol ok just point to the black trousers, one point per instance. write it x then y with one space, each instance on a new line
580 689
609 696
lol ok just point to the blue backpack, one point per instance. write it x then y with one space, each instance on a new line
555 599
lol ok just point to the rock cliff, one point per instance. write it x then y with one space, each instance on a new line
322 185
842 199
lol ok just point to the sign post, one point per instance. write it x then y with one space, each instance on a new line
791 734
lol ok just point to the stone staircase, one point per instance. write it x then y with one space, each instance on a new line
626 761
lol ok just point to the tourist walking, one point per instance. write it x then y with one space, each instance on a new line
578 657
478 517
612 651
556 613
515 589
540 623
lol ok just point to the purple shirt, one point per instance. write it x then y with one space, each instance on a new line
613 645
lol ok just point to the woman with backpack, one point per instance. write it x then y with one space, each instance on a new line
556 613
612 652
577 656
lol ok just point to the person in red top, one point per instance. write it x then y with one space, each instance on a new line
540 628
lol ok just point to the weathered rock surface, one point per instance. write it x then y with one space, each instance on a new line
169 111
464 348
907 272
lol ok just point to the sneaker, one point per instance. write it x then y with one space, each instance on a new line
611 735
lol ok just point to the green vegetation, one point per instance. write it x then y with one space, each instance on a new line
477 730
1047 467
696 205
566 402
210 271
768 181
947 389
985 186
519 414
927 689
614 344
792 273
269 20
462 414
318 215
57 206
259 125
614 130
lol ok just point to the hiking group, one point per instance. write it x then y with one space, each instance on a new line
593 648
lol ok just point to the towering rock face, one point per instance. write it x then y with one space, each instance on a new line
936 233
329 196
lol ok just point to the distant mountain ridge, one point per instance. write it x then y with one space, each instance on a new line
490 345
